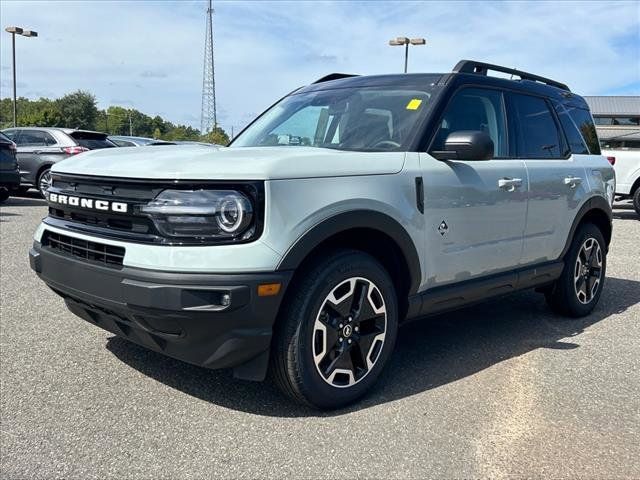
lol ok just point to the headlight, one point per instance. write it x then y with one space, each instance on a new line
210 214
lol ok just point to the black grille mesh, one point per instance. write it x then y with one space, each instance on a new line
91 251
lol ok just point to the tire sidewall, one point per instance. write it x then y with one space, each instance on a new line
314 387
636 200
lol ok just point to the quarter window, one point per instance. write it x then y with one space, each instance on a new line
537 132
574 137
475 109
584 122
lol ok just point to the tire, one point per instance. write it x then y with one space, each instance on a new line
636 200
320 357
44 181
577 291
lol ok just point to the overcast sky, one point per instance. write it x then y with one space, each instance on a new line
148 54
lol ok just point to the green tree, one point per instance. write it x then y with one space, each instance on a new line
217 136
78 110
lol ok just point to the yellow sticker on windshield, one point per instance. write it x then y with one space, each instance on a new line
414 104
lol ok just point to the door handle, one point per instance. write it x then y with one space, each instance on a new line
509 184
573 182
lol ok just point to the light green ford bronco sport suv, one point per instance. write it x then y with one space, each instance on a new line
350 206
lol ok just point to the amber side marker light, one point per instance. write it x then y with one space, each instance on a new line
269 289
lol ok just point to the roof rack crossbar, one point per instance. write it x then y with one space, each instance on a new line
334 76
471 66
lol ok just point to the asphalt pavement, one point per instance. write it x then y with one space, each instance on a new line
501 389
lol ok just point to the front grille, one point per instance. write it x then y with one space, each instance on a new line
131 223
84 249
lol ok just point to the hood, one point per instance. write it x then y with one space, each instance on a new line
188 162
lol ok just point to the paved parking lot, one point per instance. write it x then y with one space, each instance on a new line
500 389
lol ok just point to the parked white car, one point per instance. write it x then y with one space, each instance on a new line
627 167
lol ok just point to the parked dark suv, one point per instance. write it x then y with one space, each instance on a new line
41 147
9 173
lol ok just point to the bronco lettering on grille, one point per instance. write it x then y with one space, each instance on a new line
88 203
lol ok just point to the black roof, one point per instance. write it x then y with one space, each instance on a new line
465 71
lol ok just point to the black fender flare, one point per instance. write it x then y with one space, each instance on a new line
356 219
593 203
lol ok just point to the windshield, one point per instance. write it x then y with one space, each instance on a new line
363 119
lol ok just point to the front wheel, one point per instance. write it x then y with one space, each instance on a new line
336 331
577 291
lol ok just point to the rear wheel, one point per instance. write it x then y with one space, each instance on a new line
636 200
336 331
577 291
44 181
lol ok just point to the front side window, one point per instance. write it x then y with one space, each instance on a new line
537 132
475 109
357 119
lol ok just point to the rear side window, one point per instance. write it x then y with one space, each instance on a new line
92 141
122 143
35 138
537 132
574 137
475 109
584 122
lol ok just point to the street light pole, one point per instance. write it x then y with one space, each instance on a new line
15 105
25 33
396 42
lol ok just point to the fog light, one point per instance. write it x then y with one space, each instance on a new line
225 301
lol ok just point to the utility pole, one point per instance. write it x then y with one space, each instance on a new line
130 126
24 33
208 115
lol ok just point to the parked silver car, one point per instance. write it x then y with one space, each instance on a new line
131 141
38 148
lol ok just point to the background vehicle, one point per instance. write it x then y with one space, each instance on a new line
38 148
359 203
9 172
627 167
130 141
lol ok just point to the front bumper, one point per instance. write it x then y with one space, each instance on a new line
182 315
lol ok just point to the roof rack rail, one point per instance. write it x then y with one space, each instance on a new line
334 76
471 66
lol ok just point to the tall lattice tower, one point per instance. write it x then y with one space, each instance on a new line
208 118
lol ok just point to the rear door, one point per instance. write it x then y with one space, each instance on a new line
557 181
36 148
474 210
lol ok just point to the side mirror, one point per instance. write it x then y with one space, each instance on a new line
466 145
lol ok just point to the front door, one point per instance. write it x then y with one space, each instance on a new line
475 211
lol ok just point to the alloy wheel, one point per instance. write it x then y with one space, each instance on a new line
588 270
45 182
349 332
